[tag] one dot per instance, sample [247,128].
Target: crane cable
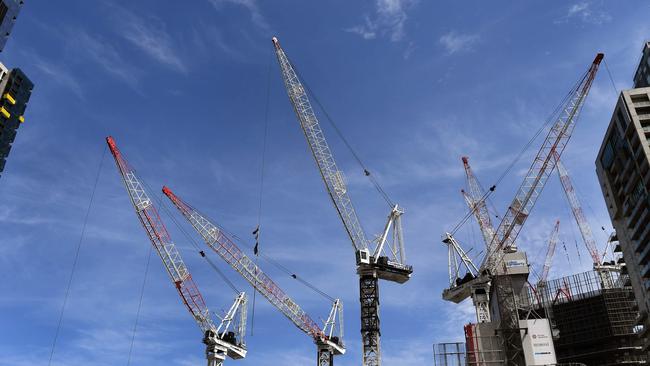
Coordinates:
[270,260]
[363,166]
[257,233]
[196,246]
[519,155]
[137,314]
[161,203]
[76,257]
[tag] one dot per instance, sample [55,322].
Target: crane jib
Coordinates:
[541,168]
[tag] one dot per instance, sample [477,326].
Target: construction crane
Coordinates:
[328,343]
[227,339]
[550,251]
[474,197]
[377,259]
[506,277]
[604,270]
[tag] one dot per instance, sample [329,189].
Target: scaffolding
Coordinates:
[593,315]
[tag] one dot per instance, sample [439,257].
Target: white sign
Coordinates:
[537,342]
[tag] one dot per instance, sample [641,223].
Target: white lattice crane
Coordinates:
[226,339]
[550,251]
[329,339]
[382,258]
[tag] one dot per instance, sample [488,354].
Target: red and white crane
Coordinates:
[226,339]
[383,258]
[328,343]
[493,266]
[474,197]
[604,270]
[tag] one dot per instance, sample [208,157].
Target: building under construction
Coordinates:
[587,318]
[591,323]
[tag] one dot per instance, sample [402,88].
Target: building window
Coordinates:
[639,98]
[608,155]
[622,123]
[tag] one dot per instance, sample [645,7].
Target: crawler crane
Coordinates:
[376,259]
[327,342]
[227,339]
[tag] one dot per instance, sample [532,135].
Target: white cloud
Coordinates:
[585,12]
[251,5]
[455,42]
[61,76]
[368,30]
[106,55]
[389,20]
[151,37]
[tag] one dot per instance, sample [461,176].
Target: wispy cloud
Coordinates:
[151,37]
[208,36]
[585,12]
[60,75]
[389,20]
[252,7]
[454,42]
[105,55]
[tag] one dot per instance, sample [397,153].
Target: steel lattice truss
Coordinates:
[162,242]
[578,214]
[550,251]
[540,170]
[477,204]
[333,177]
[221,243]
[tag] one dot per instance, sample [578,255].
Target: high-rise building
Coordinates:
[642,74]
[9,10]
[623,168]
[16,89]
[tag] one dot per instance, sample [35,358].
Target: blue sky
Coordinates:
[182,86]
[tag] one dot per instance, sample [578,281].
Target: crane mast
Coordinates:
[219,341]
[387,262]
[327,342]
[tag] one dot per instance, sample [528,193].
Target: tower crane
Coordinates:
[550,251]
[377,259]
[504,278]
[477,203]
[604,270]
[328,343]
[226,339]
